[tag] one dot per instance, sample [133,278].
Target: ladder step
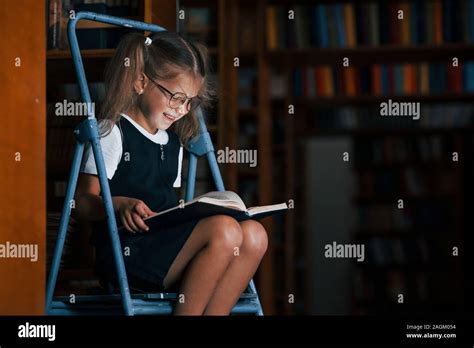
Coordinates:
[95,305]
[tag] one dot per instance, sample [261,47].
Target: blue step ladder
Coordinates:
[85,132]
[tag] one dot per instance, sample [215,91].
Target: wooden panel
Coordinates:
[22,153]
[162,12]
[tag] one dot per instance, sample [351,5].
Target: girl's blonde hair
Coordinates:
[168,55]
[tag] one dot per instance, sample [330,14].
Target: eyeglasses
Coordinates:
[178,99]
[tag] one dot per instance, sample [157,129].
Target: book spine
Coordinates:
[405,24]
[271,28]
[340,28]
[438,22]
[323,26]
[385,74]
[376,79]
[350,29]
[394,22]
[54,26]
[332,26]
[469,76]
[424,79]
[373,19]
[447,11]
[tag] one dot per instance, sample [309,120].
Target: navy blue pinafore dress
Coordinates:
[146,171]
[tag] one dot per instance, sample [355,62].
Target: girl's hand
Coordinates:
[132,212]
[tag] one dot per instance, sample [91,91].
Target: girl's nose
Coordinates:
[182,109]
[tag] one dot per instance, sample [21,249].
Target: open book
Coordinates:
[212,203]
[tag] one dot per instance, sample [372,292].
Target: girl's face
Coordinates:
[154,102]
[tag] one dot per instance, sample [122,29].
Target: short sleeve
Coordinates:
[111,146]
[177,182]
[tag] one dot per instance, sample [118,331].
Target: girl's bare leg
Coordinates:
[202,261]
[241,269]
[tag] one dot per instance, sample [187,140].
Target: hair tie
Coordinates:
[148,41]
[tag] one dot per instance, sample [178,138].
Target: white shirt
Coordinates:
[111,146]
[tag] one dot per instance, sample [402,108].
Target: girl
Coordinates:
[153,87]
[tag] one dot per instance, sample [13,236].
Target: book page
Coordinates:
[266,208]
[223,198]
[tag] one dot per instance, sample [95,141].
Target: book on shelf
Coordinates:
[212,203]
[384,79]
[54,23]
[370,23]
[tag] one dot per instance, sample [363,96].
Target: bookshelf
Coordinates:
[378,38]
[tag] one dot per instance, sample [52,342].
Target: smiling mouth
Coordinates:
[169,117]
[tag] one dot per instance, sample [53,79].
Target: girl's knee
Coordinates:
[255,238]
[226,233]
